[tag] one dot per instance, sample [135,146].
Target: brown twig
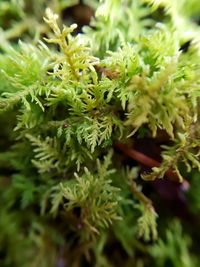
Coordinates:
[145,160]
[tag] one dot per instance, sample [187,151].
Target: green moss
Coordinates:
[74,109]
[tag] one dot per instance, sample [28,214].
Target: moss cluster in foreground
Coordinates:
[100,133]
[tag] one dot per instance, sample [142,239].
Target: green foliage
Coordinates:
[68,96]
[110,16]
[147,223]
[24,71]
[93,194]
[175,244]
[74,62]
[185,150]
[48,154]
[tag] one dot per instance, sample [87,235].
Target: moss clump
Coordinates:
[100,133]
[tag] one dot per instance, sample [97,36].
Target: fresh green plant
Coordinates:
[82,111]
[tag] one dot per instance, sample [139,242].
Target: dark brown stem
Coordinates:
[145,160]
